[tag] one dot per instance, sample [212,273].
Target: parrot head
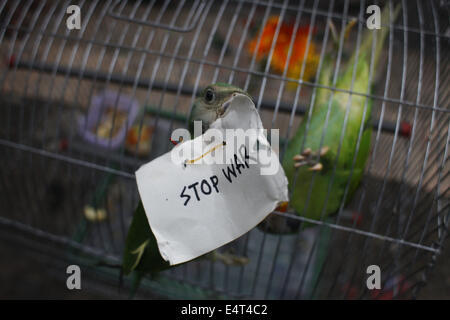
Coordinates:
[213,103]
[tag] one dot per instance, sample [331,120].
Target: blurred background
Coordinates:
[82,109]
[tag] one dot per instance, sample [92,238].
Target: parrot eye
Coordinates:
[209,95]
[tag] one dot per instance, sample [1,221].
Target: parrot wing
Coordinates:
[141,250]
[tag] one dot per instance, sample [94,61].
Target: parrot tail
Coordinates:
[367,37]
[136,280]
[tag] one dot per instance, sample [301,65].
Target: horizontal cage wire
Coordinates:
[149,60]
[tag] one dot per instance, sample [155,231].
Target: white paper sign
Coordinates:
[207,192]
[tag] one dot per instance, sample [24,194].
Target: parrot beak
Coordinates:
[225,106]
[221,111]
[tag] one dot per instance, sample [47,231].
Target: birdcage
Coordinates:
[70,193]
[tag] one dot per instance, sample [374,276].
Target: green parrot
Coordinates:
[141,253]
[310,152]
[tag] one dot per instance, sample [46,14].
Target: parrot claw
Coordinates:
[324,150]
[300,164]
[305,158]
[349,27]
[298,157]
[316,167]
[306,152]
[334,33]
